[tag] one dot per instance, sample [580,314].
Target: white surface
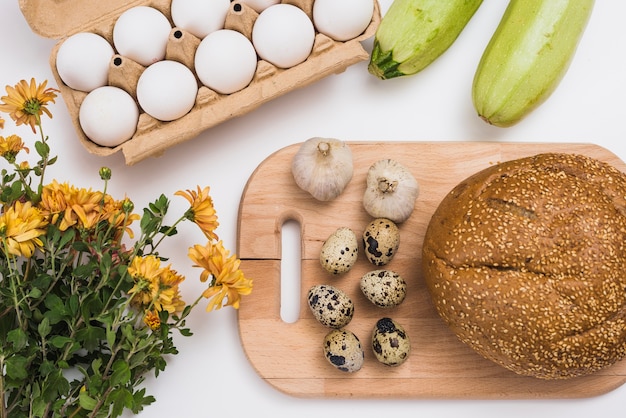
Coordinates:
[211,376]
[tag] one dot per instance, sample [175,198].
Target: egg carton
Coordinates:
[59,19]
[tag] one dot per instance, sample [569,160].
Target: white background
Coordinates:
[211,376]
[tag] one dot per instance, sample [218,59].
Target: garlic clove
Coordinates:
[323,167]
[391,191]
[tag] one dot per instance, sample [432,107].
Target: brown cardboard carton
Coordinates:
[58,19]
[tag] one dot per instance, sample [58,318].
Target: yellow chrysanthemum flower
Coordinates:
[11,146]
[228,281]
[114,211]
[25,103]
[21,225]
[202,212]
[83,208]
[1,123]
[168,297]
[155,287]
[145,272]
[152,320]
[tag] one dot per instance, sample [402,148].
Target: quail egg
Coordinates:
[381,239]
[390,342]
[331,306]
[343,350]
[384,288]
[339,251]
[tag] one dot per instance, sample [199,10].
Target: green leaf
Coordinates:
[39,406]
[138,359]
[141,400]
[96,364]
[128,331]
[80,246]
[85,401]
[120,398]
[148,220]
[18,338]
[84,270]
[110,337]
[73,304]
[55,386]
[17,367]
[47,367]
[59,341]
[121,373]
[91,305]
[56,307]
[168,231]
[43,149]
[35,293]
[68,236]
[44,327]
[90,337]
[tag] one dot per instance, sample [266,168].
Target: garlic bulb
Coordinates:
[391,191]
[323,167]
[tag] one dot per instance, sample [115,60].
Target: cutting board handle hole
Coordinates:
[290,271]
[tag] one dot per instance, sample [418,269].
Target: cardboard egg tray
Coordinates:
[58,19]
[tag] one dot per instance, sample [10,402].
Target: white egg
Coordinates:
[259,5]
[141,34]
[167,90]
[225,61]
[283,35]
[83,61]
[108,116]
[200,17]
[342,20]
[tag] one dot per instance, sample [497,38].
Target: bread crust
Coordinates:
[526,263]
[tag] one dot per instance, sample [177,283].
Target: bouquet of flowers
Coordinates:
[87,309]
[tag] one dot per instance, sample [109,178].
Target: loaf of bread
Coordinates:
[526,263]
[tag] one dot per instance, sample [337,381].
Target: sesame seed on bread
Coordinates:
[526,263]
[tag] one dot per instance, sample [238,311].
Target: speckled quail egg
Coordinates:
[381,239]
[390,342]
[384,288]
[343,350]
[331,306]
[339,251]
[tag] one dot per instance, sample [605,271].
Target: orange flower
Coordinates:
[228,281]
[83,208]
[201,212]
[25,103]
[169,298]
[155,287]
[151,319]
[21,225]
[11,146]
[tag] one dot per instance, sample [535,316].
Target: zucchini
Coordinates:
[413,33]
[527,56]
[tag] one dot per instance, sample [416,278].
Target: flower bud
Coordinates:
[128,206]
[105,173]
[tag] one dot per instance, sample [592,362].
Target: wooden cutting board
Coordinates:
[289,355]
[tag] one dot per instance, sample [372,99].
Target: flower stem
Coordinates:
[3,411]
